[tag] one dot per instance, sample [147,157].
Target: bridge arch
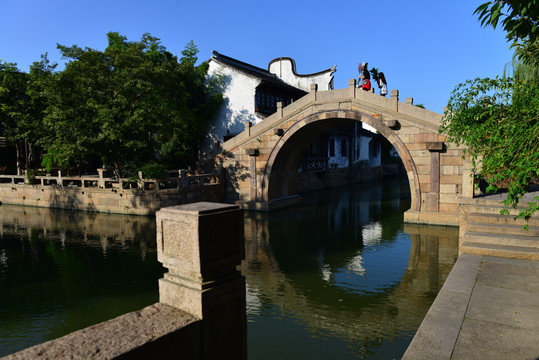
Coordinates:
[279,176]
[260,164]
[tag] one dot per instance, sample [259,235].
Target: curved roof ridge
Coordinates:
[331,70]
[252,70]
[227,59]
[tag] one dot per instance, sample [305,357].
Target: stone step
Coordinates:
[474,217]
[503,228]
[493,209]
[495,200]
[507,251]
[501,239]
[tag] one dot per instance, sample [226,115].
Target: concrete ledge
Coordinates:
[431,218]
[430,230]
[438,333]
[156,332]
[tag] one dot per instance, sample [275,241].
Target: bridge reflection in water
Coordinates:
[341,277]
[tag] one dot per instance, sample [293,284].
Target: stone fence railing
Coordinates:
[179,180]
[201,312]
[101,193]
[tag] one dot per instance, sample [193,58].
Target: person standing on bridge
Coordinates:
[382,84]
[364,74]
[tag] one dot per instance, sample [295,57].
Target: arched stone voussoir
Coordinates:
[284,150]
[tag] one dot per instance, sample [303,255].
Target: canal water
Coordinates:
[338,277]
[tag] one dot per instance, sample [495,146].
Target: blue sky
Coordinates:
[425,48]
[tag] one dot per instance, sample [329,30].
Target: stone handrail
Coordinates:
[388,107]
[182,180]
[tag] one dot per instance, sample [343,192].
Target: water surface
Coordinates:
[339,277]
[61,271]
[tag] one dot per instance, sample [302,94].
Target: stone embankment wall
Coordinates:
[144,197]
[201,313]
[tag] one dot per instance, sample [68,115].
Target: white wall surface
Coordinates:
[237,108]
[339,161]
[283,68]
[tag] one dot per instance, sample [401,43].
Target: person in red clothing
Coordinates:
[366,85]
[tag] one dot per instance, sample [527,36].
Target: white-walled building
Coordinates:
[250,94]
[285,69]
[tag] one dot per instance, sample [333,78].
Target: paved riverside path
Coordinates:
[488,308]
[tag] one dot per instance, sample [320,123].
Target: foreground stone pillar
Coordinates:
[201,244]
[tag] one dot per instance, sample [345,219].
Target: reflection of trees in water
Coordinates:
[103,230]
[294,255]
[61,271]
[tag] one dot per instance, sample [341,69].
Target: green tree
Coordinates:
[129,105]
[497,119]
[12,97]
[22,105]
[520,20]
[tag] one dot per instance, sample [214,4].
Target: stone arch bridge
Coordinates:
[261,162]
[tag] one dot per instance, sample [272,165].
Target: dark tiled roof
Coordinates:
[254,71]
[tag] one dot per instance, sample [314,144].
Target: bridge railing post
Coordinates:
[352,87]
[280,109]
[395,99]
[314,90]
[201,244]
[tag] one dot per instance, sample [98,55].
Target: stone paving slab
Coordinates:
[512,262]
[481,340]
[488,308]
[522,277]
[504,306]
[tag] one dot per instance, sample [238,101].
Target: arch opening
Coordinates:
[280,175]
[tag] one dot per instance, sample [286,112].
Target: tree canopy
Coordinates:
[23,103]
[520,20]
[130,105]
[498,119]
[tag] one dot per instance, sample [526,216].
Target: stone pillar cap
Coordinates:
[200,208]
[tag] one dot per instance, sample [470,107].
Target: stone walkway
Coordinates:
[488,308]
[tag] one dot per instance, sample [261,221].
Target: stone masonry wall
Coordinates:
[122,201]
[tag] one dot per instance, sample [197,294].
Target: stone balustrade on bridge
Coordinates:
[261,162]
